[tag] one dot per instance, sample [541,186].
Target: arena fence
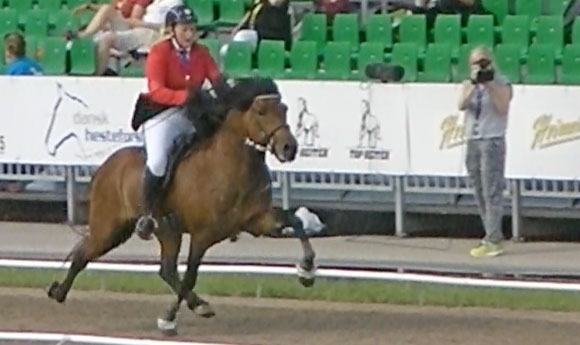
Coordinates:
[360,274]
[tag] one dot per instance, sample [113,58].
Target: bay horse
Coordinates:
[219,187]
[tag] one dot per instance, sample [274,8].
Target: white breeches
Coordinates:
[159,133]
[250,36]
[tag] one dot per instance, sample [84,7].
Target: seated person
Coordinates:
[332,7]
[433,7]
[266,19]
[17,63]
[144,28]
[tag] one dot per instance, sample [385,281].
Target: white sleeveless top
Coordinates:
[156,11]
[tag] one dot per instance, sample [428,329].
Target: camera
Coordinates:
[486,72]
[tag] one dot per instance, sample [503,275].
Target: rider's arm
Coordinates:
[213,74]
[156,74]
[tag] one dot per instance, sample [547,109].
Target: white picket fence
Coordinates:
[321,272]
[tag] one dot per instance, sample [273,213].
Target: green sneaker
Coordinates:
[485,250]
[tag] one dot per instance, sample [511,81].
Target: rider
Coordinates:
[174,65]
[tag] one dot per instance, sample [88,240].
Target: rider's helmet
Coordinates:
[180,14]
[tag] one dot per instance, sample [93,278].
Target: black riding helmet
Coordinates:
[180,14]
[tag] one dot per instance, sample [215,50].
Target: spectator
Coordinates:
[15,56]
[266,19]
[431,8]
[137,31]
[18,64]
[486,99]
[332,7]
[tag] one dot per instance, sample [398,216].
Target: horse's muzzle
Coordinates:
[289,151]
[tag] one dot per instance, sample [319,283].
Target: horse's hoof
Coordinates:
[54,292]
[306,277]
[306,282]
[167,328]
[204,310]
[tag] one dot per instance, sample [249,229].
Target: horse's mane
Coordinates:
[208,113]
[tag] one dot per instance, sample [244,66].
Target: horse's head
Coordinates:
[264,116]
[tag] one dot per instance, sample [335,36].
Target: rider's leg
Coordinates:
[159,132]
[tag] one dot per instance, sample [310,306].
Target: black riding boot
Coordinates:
[151,188]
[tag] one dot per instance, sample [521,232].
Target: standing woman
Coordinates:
[486,99]
[174,65]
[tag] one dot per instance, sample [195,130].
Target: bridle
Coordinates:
[267,137]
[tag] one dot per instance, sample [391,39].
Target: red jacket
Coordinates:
[168,79]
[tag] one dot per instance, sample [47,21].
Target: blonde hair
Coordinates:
[485,52]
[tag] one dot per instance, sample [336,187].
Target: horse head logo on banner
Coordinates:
[76,131]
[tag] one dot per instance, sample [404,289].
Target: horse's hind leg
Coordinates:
[98,243]
[170,242]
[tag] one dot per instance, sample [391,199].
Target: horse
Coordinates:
[370,127]
[307,125]
[220,186]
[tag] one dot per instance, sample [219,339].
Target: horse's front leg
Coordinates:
[267,223]
[305,269]
[170,242]
[168,324]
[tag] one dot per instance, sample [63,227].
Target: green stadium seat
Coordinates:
[413,29]
[437,66]
[314,29]
[480,30]
[550,30]
[463,67]
[406,55]
[447,29]
[576,31]
[51,5]
[271,56]
[303,60]
[369,52]
[204,9]
[345,28]
[530,8]
[64,21]
[2,62]
[557,7]
[36,23]
[20,6]
[379,30]
[137,71]
[499,9]
[31,46]
[8,21]
[238,59]
[570,73]
[541,61]
[213,45]
[82,57]
[71,4]
[85,18]
[516,31]
[52,53]
[231,12]
[336,61]
[507,57]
